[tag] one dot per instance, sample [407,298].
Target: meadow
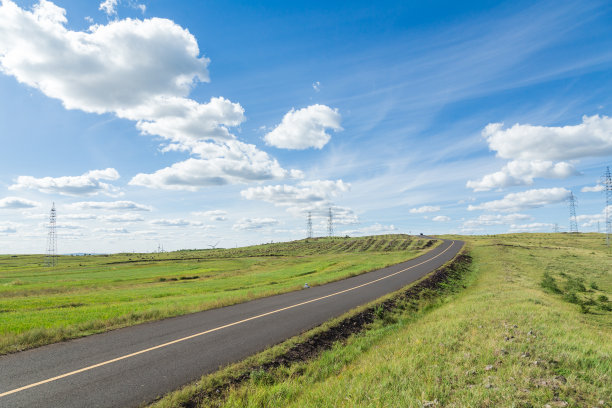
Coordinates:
[527,324]
[94,293]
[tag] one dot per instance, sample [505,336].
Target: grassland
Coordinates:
[528,325]
[91,294]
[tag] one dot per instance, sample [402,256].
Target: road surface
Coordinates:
[130,366]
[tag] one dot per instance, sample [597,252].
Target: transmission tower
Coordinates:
[51,254]
[556,228]
[573,227]
[309,225]
[607,182]
[330,223]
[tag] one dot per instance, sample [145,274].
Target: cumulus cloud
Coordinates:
[109,7]
[441,218]
[121,65]
[13,203]
[109,205]
[86,184]
[122,218]
[494,219]
[424,209]
[307,196]
[524,200]
[373,229]
[213,215]
[521,172]
[230,162]
[304,128]
[590,220]
[140,70]
[533,227]
[8,228]
[304,194]
[177,222]
[593,189]
[246,224]
[543,151]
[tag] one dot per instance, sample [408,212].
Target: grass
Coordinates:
[91,294]
[532,327]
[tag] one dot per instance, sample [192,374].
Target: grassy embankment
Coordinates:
[90,294]
[533,327]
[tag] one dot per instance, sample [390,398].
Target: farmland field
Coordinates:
[95,293]
[529,324]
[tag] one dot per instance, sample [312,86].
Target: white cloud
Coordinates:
[305,193]
[494,219]
[109,7]
[254,223]
[372,230]
[304,128]
[521,172]
[213,215]
[543,151]
[121,65]
[316,86]
[424,209]
[307,196]
[441,218]
[140,70]
[8,228]
[533,227]
[593,137]
[79,217]
[109,205]
[17,203]
[177,222]
[590,220]
[112,231]
[594,189]
[229,162]
[122,218]
[524,200]
[87,184]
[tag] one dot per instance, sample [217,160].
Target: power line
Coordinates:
[330,223]
[309,225]
[573,227]
[51,254]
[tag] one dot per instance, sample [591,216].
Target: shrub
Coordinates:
[548,283]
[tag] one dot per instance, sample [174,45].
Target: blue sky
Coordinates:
[190,123]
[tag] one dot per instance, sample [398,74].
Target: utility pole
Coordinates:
[330,223]
[607,181]
[572,207]
[51,254]
[309,225]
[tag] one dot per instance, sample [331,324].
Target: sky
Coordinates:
[156,123]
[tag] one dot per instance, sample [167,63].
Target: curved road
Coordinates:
[130,366]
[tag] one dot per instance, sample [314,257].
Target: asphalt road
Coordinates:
[130,366]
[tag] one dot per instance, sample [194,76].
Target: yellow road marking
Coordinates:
[91,367]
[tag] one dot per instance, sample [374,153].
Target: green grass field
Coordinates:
[90,294]
[529,325]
